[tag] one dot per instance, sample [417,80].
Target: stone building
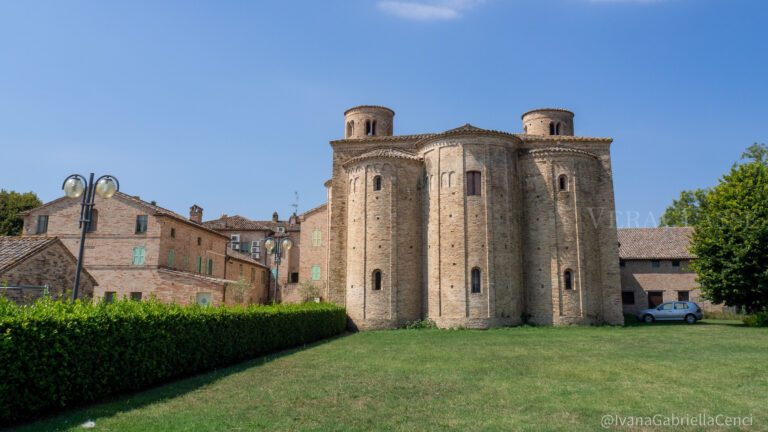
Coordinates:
[28,264]
[654,268]
[136,249]
[471,227]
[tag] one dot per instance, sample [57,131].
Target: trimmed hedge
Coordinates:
[55,354]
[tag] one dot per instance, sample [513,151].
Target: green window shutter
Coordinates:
[186,262]
[199,265]
[170,258]
[139,255]
[315,272]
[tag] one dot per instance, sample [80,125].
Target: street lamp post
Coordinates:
[76,185]
[276,245]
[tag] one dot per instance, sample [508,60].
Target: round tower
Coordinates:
[548,121]
[367,121]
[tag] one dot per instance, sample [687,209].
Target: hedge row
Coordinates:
[759,319]
[56,354]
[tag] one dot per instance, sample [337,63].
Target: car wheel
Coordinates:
[648,318]
[690,319]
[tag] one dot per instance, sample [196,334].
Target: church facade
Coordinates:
[471,227]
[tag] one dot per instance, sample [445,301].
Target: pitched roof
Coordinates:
[655,243]
[316,209]
[239,223]
[383,152]
[15,249]
[153,209]
[243,257]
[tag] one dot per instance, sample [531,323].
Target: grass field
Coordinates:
[526,378]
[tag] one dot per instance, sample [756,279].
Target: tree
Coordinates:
[11,204]
[309,290]
[757,153]
[684,211]
[731,239]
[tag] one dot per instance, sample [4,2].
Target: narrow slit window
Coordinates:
[551,128]
[563,183]
[475,280]
[377,280]
[474,185]
[568,277]
[377,183]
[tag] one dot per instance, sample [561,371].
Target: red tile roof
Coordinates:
[655,243]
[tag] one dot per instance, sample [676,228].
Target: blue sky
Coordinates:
[230,105]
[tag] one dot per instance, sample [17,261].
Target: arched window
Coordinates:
[474,186]
[93,224]
[377,183]
[557,129]
[350,129]
[562,183]
[568,278]
[475,280]
[373,127]
[551,128]
[368,128]
[376,280]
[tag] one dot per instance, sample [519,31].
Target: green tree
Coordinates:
[757,153]
[11,204]
[731,239]
[684,211]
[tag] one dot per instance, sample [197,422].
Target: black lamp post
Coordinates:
[76,185]
[276,245]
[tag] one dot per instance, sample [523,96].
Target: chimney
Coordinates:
[196,214]
[274,217]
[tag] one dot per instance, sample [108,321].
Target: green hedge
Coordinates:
[56,354]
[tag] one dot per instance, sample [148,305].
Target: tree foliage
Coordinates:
[731,239]
[756,153]
[11,204]
[684,211]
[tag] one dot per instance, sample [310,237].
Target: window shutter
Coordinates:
[315,272]
[170,258]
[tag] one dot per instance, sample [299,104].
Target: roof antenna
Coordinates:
[295,205]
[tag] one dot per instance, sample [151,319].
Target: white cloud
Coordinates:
[429,10]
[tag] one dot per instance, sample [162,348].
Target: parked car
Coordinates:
[686,311]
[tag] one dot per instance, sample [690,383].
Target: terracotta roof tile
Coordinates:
[14,249]
[239,223]
[655,243]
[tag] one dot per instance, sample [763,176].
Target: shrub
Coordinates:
[56,354]
[724,315]
[759,319]
[426,323]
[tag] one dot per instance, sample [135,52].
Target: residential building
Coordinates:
[654,268]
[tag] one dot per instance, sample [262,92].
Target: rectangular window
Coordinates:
[263,276]
[622,263]
[294,278]
[683,296]
[136,296]
[173,232]
[316,239]
[42,224]
[655,263]
[241,270]
[109,297]
[199,241]
[280,229]
[627,297]
[253,275]
[141,224]
[675,263]
[473,183]
[171,256]
[139,255]
[315,273]
[245,247]
[199,265]
[209,267]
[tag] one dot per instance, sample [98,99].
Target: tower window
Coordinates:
[473,183]
[377,183]
[370,127]
[551,128]
[568,278]
[350,129]
[557,129]
[475,280]
[377,280]
[563,182]
[373,127]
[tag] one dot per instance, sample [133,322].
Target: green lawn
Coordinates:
[506,379]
